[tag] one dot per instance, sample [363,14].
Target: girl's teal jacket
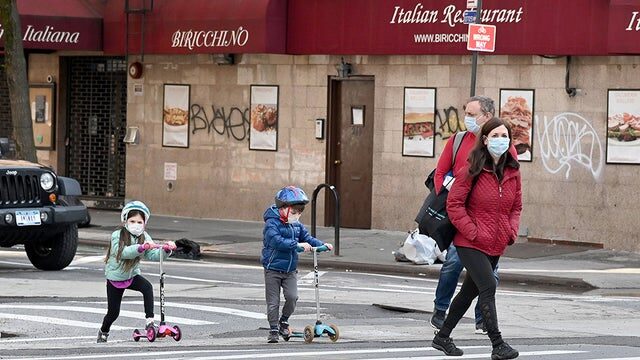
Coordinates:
[114,270]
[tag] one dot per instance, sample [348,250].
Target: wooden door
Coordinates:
[350,150]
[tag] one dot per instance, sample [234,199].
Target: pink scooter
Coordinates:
[164,329]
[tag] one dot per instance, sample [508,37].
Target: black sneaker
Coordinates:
[273,336]
[481,329]
[437,319]
[283,329]
[446,345]
[102,337]
[503,352]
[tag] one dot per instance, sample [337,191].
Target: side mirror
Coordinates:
[4,147]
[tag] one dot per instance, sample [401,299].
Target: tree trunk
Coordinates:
[16,70]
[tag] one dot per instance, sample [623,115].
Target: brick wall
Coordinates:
[569,192]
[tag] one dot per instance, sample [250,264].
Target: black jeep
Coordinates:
[40,210]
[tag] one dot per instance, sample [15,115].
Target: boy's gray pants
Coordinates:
[273,281]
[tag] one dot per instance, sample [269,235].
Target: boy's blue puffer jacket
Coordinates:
[281,240]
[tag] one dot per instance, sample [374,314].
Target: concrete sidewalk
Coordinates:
[525,263]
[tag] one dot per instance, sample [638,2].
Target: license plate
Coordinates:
[28,218]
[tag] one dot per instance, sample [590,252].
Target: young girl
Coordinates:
[122,264]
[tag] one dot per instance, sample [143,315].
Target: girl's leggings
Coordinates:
[114,299]
[479,282]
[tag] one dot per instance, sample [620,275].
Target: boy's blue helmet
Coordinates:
[291,195]
[135,205]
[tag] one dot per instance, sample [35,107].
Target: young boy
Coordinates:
[283,233]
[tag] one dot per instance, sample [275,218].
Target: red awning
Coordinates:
[406,27]
[624,27]
[198,26]
[61,24]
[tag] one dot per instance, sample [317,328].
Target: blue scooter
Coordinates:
[313,331]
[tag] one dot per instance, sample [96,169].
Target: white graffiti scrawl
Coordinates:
[569,139]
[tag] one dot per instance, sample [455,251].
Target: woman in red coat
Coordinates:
[484,204]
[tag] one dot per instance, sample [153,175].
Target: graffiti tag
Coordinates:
[569,139]
[235,123]
[448,124]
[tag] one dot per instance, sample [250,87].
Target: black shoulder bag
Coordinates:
[432,219]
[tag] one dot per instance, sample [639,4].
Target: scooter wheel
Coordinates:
[308,334]
[178,333]
[336,334]
[136,335]
[151,334]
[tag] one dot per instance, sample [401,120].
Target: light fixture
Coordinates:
[344,69]
[224,59]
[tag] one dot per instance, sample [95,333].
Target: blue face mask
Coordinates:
[471,124]
[498,146]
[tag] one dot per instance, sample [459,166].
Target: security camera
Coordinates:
[50,79]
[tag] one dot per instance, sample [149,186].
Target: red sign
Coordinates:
[415,27]
[481,38]
[624,27]
[199,26]
[60,25]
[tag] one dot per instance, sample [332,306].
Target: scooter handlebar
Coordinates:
[147,246]
[321,248]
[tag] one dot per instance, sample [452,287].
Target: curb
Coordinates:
[577,285]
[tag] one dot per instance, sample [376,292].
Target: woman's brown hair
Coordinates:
[125,240]
[480,156]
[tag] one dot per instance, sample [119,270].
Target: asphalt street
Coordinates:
[220,308]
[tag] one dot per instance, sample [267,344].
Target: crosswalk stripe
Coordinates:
[213,309]
[58,321]
[324,353]
[87,259]
[124,313]
[48,339]
[472,356]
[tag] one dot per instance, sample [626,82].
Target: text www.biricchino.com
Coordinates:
[440,38]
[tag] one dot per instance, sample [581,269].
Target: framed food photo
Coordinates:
[418,127]
[623,126]
[516,108]
[263,133]
[175,115]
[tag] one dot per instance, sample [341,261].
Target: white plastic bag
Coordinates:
[421,249]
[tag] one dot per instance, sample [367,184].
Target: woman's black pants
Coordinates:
[479,281]
[114,299]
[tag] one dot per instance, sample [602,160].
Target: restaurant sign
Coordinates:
[204,26]
[624,27]
[194,39]
[405,27]
[53,34]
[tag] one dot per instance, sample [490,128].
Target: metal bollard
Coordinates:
[336,249]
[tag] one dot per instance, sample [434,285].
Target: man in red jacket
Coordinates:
[477,111]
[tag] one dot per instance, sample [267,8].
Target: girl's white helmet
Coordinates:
[135,205]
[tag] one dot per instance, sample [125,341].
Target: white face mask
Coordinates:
[472,125]
[293,218]
[135,229]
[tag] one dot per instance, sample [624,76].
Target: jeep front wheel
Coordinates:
[54,253]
